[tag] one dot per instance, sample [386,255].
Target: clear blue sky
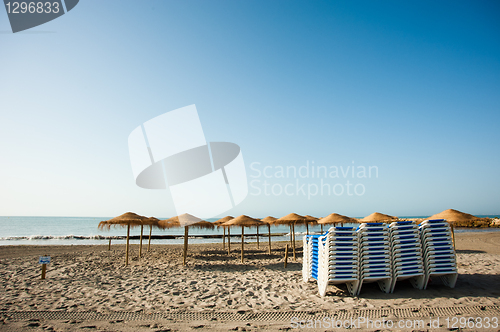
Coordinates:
[412,88]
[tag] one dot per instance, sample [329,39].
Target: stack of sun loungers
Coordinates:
[310,258]
[438,251]
[375,255]
[377,252]
[332,259]
[339,259]
[406,254]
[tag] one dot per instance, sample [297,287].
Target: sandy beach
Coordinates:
[93,279]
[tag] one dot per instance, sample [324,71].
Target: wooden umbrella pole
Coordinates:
[321,229]
[291,238]
[140,242]
[109,245]
[126,249]
[150,231]
[286,255]
[293,231]
[242,242]
[185,244]
[224,239]
[228,241]
[258,237]
[269,234]
[307,228]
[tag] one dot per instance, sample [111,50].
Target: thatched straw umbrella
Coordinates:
[243,221]
[292,219]
[460,219]
[334,218]
[378,217]
[185,220]
[457,218]
[220,222]
[127,219]
[269,220]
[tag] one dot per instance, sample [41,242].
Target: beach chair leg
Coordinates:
[450,279]
[426,280]
[353,287]
[418,282]
[305,272]
[359,286]
[306,266]
[385,285]
[393,284]
[322,283]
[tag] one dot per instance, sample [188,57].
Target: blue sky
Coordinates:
[409,87]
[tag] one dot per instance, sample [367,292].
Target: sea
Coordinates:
[32,230]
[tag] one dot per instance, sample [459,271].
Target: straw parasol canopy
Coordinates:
[461,219]
[335,218]
[152,221]
[185,220]
[378,217]
[311,218]
[292,219]
[222,220]
[243,221]
[168,223]
[269,221]
[128,219]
